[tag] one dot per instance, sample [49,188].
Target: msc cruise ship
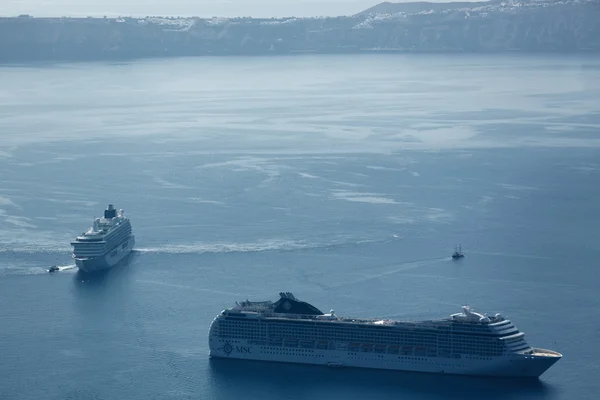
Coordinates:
[290,330]
[107,242]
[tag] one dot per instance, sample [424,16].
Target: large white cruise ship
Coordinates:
[107,242]
[290,330]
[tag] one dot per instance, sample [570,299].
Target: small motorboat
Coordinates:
[53,268]
[457,253]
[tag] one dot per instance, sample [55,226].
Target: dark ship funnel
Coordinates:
[110,212]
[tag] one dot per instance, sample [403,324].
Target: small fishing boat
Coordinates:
[457,253]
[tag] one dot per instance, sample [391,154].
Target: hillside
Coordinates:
[422,6]
[548,26]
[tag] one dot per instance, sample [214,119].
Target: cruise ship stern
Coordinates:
[212,338]
[105,244]
[93,264]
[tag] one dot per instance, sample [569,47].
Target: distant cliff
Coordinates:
[424,6]
[533,26]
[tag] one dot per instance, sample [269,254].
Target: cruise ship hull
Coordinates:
[109,260]
[514,365]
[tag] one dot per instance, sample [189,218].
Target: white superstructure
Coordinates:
[290,330]
[106,243]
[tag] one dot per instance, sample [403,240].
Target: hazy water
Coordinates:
[346,180]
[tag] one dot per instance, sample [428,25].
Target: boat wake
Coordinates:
[512,255]
[35,249]
[374,273]
[35,270]
[256,247]
[266,245]
[66,267]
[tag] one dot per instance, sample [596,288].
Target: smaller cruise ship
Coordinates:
[108,241]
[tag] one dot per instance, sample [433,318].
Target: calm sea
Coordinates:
[346,180]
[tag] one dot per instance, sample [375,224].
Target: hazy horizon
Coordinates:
[201,8]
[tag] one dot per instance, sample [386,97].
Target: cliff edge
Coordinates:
[534,26]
